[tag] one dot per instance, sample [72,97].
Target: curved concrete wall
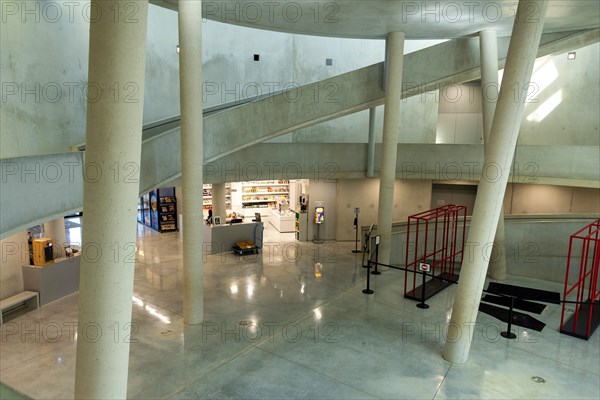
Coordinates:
[44,57]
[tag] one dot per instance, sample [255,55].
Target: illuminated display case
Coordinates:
[158,210]
[319,214]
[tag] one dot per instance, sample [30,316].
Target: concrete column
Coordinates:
[219,206]
[488,45]
[389,145]
[371,145]
[117,57]
[522,51]
[55,229]
[190,82]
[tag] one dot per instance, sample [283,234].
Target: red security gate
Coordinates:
[435,237]
[582,287]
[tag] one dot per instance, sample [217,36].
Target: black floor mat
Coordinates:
[524,293]
[524,305]
[432,286]
[520,319]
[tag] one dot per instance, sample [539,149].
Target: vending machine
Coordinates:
[43,251]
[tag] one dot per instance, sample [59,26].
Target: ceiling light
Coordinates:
[571,55]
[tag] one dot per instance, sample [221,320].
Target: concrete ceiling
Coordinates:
[423,19]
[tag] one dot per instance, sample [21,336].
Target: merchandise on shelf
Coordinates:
[158,210]
[265,194]
[207,195]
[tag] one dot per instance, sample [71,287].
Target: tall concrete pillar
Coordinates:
[117,57]
[522,50]
[371,144]
[389,145]
[488,45]
[218,201]
[55,229]
[190,82]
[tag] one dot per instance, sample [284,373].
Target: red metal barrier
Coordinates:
[435,237]
[584,248]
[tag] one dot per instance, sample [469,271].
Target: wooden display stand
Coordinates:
[40,249]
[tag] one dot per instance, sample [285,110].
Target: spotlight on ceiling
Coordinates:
[571,55]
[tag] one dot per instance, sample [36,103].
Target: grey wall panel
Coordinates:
[161,160]
[36,189]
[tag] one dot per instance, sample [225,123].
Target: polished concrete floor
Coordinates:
[292,323]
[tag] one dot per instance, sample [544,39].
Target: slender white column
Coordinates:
[488,48]
[371,145]
[488,45]
[219,206]
[190,82]
[524,43]
[117,57]
[389,145]
[55,229]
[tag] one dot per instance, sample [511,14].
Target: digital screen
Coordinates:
[319,215]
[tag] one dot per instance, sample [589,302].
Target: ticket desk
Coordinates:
[221,238]
[53,280]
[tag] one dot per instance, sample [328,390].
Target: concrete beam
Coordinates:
[168,4]
[430,69]
[26,202]
[38,189]
[438,162]
[291,110]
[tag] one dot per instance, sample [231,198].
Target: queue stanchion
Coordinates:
[508,334]
[375,271]
[423,268]
[367,247]
[366,252]
[368,289]
[356,250]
